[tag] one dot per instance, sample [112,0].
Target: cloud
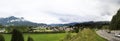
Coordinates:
[112,1]
[60,11]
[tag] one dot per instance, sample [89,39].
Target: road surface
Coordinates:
[108,36]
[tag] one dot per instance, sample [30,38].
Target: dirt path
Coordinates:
[110,37]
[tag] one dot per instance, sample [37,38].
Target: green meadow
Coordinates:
[40,37]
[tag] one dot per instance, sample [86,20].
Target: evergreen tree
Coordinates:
[30,39]
[115,23]
[2,38]
[17,36]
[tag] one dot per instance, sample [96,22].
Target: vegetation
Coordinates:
[17,36]
[30,39]
[39,37]
[20,28]
[115,23]
[91,25]
[85,35]
[2,38]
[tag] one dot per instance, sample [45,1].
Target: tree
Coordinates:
[30,39]
[115,23]
[1,26]
[17,35]
[77,27]
[2,38]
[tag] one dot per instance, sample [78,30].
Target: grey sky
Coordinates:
[60,11]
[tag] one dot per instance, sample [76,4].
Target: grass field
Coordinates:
[40,37]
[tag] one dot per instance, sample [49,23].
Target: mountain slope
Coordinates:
[89,23]
[18,21]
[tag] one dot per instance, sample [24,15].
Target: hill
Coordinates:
[89,23]
[115,23]
[85,35]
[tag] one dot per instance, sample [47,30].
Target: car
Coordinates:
[117,35]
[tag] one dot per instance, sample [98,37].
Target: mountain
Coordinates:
[12,20]
[89,23]
[92,23]
[68,24]
[60,25]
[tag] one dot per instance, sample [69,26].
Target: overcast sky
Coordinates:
[60,11]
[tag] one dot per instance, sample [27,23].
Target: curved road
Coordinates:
[108,36]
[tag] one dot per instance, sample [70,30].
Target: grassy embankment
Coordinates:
[85,35]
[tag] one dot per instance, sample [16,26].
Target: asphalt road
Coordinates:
[108,36]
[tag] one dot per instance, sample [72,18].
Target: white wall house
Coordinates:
[2,30]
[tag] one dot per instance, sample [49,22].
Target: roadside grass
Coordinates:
[40,37]
[86,35]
